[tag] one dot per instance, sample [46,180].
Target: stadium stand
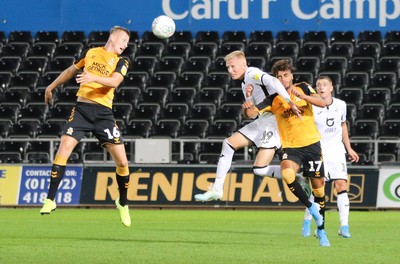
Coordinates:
[180,88]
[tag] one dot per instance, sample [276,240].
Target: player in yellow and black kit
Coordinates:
[300,141]
[101,72]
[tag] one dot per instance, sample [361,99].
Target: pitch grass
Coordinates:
[192,236]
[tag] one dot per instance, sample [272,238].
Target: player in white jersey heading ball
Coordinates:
[331,123]
[262,132]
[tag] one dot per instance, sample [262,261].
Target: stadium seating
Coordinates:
[180,87]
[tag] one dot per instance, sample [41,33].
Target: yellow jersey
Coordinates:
[294,132]
[102,63]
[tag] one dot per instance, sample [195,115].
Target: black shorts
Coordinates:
[310,157]
[94,118]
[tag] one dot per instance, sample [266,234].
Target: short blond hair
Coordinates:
[235,54]
[119,28]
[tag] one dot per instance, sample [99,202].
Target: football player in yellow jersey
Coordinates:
[99,71]
[300,141]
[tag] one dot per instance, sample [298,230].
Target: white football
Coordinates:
[163,27]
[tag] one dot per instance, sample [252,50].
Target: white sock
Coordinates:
[273,171]
[343,204]
[307,214]
[224,164]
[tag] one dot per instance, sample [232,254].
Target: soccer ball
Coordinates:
[163,27]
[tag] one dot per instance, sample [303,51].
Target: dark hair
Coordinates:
[282,65]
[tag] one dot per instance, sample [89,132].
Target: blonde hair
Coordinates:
[119,28]
[235,54]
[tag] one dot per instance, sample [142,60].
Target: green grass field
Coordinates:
[191,236]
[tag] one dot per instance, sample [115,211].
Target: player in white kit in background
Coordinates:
[331,123]
[262,132]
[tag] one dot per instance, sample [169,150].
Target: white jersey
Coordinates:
[329,123]
[263,132]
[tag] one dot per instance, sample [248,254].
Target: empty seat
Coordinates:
[391,36]
[217,79]
[122,111]
[230,111]
[258,62]
[391,49]
[135,79]
[366,127]
[73,36]
[208,49]
[390,64]
[207,36]
[195,127]
[50,129]
[210,95]
[356,79]
[14,146]
[368,49]
[169,64]
[365,64]
[177,49]
[16,49]
[362,148]
[315,36]
[68,49]
[352,95]
[291,36]
[234,36]
[344,49]
[229,47]
[33,110]
[35,64]
[151,49]
[128,94]
[182,95]
[17,95]
[9,111]
[372,111]
[20,36]
[393,111]
[162,79]
[47,36]
[9,65]
[390,128]
[310,64]
[98,36]
[60,63]
[234,95]
[300,76]
[25,128]
[182,36]
[222,128]
[369,36]
[259,49]
[190,79]
[6,125]
[334,63]
[286,49]
[175,111]
[261,36]
[314,49]
[10,157]
[143,64]
[195,65]
[204,111]
[167,127]
[377,95]
[138,128]
[155,95]
[148,36]
[146,111]
[343,36]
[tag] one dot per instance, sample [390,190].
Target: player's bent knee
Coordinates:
[122,170]
[319,192]
[288,175]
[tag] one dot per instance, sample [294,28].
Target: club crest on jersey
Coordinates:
[70,131]
[111,62]
[256,77]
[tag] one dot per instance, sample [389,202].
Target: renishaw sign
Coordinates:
[178,185]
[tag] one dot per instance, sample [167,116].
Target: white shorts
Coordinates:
[263,132]
[335,166]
